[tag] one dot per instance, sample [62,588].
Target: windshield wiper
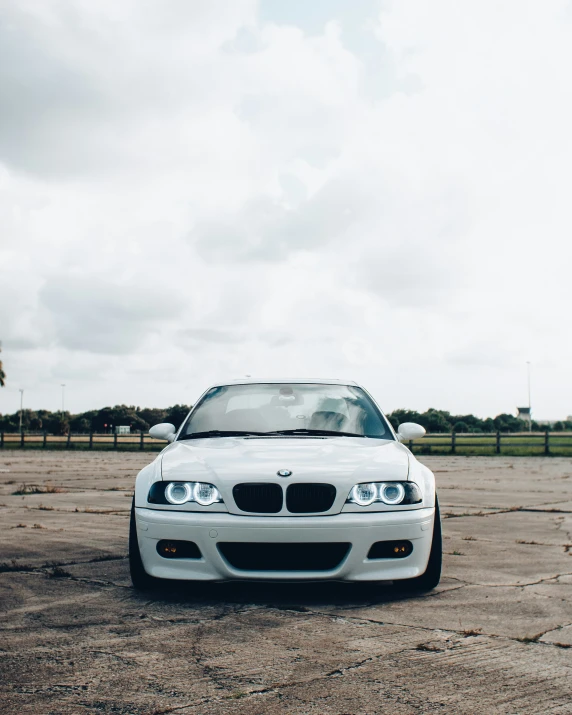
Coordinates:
[220,433]
[324,432]
[243,433]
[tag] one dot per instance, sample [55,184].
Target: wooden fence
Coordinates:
[522,443]
[519,443]
[43,440]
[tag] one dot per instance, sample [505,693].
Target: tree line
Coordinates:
[442,421]
[103,421]
[141,419]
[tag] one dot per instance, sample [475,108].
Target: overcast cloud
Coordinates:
[375,190]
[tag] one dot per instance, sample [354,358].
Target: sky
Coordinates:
[376,191]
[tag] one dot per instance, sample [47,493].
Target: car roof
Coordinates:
[285,381]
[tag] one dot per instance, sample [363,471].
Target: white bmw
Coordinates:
[286,480]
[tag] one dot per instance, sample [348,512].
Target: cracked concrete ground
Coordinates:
[494,637]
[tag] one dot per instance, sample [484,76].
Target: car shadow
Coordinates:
[288,596]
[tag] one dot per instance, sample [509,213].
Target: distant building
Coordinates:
[122,429]
[524,414]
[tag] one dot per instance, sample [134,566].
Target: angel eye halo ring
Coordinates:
[205,494]
[363,494]
[178,492]
[391,493]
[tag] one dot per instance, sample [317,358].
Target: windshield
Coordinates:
[288,408]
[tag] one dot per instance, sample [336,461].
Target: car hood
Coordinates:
[341,461]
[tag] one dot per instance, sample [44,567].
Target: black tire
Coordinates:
[430,579]
[139,577]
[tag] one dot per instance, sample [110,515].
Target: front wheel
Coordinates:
[430,579]
[139,577]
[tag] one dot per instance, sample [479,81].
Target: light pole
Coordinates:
[63,393]
[529,402]
[21,406]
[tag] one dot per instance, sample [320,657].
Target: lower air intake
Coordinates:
[284,557]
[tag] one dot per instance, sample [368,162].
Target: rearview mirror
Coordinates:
[165,430]
[410,430]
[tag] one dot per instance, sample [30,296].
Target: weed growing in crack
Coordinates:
[451,515]
[530,639]
[58,572]
[25,489]
[14,566]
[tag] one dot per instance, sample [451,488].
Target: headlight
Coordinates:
[205,494]
[390,493]
[363,494]
[178,493]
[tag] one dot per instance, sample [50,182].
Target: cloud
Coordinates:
[373,190]
[209,335]
[98,316]
[267,230]
[84,87]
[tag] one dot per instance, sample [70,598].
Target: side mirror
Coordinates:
[410,430]
[163,431]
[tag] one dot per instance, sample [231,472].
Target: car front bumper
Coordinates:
[360,530]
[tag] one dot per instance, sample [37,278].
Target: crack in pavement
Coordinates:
[517,585]
[496,510]
[41,571]
[463,633]
[558,628]
[277,687]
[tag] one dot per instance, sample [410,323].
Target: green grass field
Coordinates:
[521,444]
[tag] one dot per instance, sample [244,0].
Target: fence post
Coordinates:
[115,441]
[141,440]
[45,444]
[453,442]
[498,442]
[22,439]
[411,445]
[2,440]
[91,440]
[547,442]
[68,440]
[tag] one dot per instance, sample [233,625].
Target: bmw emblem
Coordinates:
[284,473]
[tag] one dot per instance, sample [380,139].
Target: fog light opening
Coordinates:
[390,550]
[170,549]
